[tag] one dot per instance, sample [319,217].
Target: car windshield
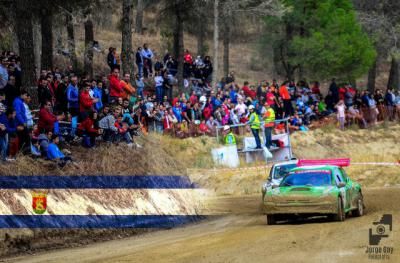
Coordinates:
[282,170]
[307,178]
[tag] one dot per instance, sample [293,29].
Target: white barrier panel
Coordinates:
[226,156]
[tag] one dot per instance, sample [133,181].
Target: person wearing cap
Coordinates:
[230,138]
[269,123]
[255,125]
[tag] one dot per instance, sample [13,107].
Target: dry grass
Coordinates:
[152,159]
[380,144]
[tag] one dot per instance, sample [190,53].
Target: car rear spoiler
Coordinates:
[342,162]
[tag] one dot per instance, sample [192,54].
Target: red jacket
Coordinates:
[116,89]
[207,113]
[87,126]
[46,120]
[249,93]
[85,102]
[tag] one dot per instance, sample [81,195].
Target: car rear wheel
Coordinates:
[360,207]
[340,216]
[271,220]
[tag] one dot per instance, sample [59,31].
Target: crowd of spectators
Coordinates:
[115,109]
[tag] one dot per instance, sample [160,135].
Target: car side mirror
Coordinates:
[341,184]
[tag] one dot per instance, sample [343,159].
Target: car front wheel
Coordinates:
[360,207]
[340,216]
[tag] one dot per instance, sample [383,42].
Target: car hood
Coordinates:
[300,192]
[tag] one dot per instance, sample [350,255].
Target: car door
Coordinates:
[353,193]
[344,190]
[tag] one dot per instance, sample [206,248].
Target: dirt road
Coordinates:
[242,236]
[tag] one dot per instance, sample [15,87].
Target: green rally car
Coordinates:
[314,190]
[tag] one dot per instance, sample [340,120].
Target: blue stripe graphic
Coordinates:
[95,182]
[95,221]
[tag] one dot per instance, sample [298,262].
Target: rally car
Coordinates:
[314,188]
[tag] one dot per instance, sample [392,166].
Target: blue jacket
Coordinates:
[73,96]
[19,108]
[11,126]
[389,99]
[178,113]
[98,93]
[53,152]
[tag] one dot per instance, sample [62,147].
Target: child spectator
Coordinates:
[54,153]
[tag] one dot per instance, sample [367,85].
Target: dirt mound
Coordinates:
[152,159]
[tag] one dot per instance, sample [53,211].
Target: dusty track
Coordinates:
[242,236]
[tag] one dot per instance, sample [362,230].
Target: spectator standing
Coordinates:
[139,61]
[333,88]
[147,56]
[255,125]
[11,91]
[73,97]
[4,130]
[61,95]
[3,72]
[269,124]
[127,89]
[21,121]
[112,59]
[230,138]
[159,81]
[341,115]
[139,85]
[390,103]
[98,94]
[116,90]
[86,102]
[44,92]
[287,105]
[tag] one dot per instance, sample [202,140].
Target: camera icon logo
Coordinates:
[380,229]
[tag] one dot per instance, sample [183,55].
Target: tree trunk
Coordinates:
[371,78]
[25,43]
[179,46]
[394,76]
[200,39]
[46,24]
[71,41]
[37,44]
[227,40]
[139,17]
[126,54]
[216,32]
[88,56]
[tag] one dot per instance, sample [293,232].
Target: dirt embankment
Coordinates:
[152,159]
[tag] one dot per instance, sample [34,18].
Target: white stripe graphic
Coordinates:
[106,201]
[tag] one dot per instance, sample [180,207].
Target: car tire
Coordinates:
[360,207]
[340,216]
[271,220]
